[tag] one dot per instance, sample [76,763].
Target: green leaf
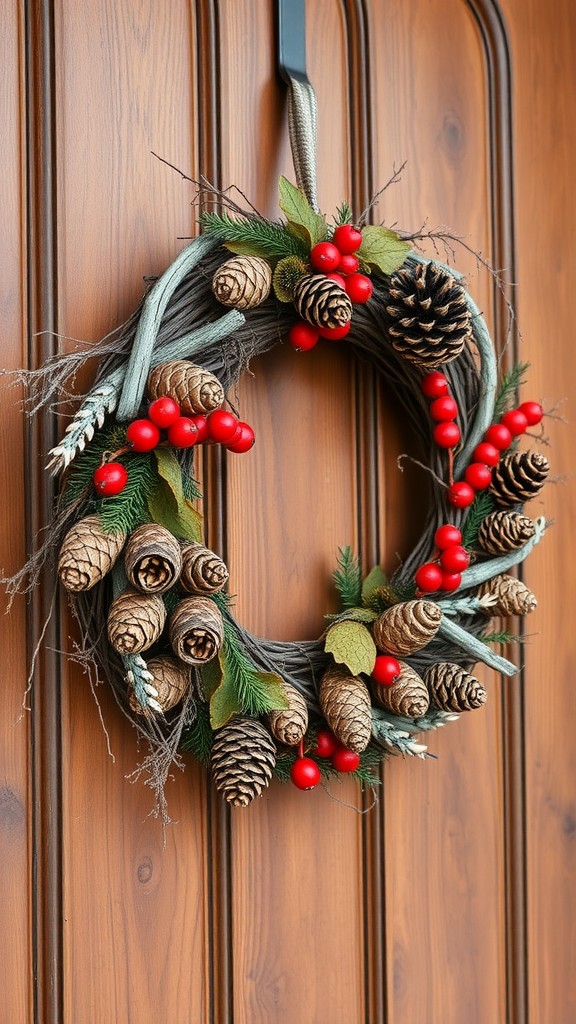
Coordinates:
[382,250]
[167,504]
[198,737]
[248,248]
[351,644]
[224,703]
[211,674]
[354,615]
[302,220]
[375,579]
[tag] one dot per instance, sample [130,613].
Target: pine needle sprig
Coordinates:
[82,471]
[254,236]
[508,389]
[256,696]
[502,637]
[344,215]
[482,505]
[348,579]
[198,738]
[129,509]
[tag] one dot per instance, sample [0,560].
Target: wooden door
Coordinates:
[452,900]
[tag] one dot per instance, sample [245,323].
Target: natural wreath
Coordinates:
[127,533]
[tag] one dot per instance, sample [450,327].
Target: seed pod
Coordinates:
[135,621]
[322,302]
[203,572]
[242,759]
[501,532]
[87,554]
[289,724]
[407,696]
[451,688]
[152,559]
[512,596]
[407,627]
[192,387]
[242,282]
[518,477]
[172,681]
[196,630]
[345,703]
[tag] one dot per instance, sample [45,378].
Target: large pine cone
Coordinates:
[502,532]
[407,696]
[451,688]
[345,703]
[289,724]
[430,319]
[135,621]
[407,627]
[242,760]
[512,596]
[242,282]
[196,630]
[87,554]
[203,572]
[152,558]
[172,681]
[322,302]
[192,387]
[518,477]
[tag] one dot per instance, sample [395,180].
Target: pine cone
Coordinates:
[518,477]
[242,282]
[430,317]
[196,630]
[152,558]
[290,724]
[203,572]
[501,532]
[512,596]
[322,302]
[172,681]
[135,621]
[87,554]
[242,760]
[407,627]
[345,703]
[192,387]
[407,696]
[451,688]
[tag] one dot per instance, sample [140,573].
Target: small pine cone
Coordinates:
[518,477]
[152,558]
[203,572]
[192,387]
[135,621]
[290,724]
[407,627]
[512,596]
[430,319]
[322,302]
[407,696]
[196,630]
[172,681]
[242,282]
[451,688]
[242,760]
[87,554]
[345,703]
[503,531]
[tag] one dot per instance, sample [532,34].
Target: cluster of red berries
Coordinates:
[443,410]
[143,435]
[336,260]
[305,773]
[445,572]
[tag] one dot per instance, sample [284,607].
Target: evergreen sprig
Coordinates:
[82,471]
[253,236]
[482,505]
[509,385]
[502,637]
[344,214]
[198,738]
[348,578]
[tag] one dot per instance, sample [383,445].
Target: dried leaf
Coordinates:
[302,220]
[224,703]
[351,644]
[382,250]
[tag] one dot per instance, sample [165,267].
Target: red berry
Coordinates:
[348,264]
[345,760]
[340,281]
[455,559]
[222,426]
[347,238]
[110,479]
[244,442]
[447,537]
[499,436]
[486,453]
[451,580]
[446,434]
[326,743]
[334,333]
[428,577]
[533,412]
[460,494]
[201,422]
[444,408]
[163,412]
[434,385]
[478,476]
[142,435]
[386,669]
[303,336]
[516,421]
[359,288]
[325,256]
[305,773]
[183,433]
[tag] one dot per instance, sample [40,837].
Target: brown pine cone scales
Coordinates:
[196,630]
[242,760]
[87,554]
[203,572]
[172,681]
[242,282]
[345,703]
[503,531]
[430,319]
[152,558]
[407,696]
[512,596]
[518,477]
[322,302]
[451,688]
[289,724]
[192,387]
[135,621]
[407,627]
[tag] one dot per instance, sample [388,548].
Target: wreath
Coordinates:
[127,533]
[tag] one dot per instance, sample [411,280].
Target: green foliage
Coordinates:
[382,250]
[348,578]
[351,644]
[370,760]
[84,466]
[199,736]
[353,615]
[375,580]
[243,689]
[303,221]
[506,397]
[482,505]
[286,276]
[343,215]
[129,509]
[166,502]
[254,237]
[501,637]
